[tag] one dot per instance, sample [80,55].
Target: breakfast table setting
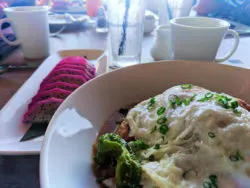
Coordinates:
[63,82]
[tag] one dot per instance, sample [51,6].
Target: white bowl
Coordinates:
[66,154]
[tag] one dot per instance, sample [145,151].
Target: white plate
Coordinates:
[71,10]
[66,154]
[60,19]
[11,128]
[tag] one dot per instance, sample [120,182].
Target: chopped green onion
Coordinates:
[151,158]
[239,155]
[234,104]
[203,99]
[162,120]
[207,184]
[178,101]
[151,104]
[224,97]
[172,103]
[100,180]
[236,157]
[237,111]
[153,130]
[209,95]
[213,183]
[186,86]
[227,103]
[211,134]
[213,179]
[223,102]
[152,100]
[163,129]
[193,97]
[157,146]
[139,145]
[161,110]
[186,101]
[175,101]
[233,158]
[227,98]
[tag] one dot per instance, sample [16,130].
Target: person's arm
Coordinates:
[205,7]
[235,10]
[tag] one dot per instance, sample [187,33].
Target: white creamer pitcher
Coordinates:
[162,49]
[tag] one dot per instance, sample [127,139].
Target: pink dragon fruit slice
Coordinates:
[68,75]
[57,72]
[42,111]
[90,70]
[83,66]
[80,61]
[73,79]
[73,60]
[60,85]
[56,93]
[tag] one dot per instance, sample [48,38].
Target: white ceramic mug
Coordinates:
[198,38]
[31,27]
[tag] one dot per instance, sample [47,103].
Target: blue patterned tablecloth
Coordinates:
[19,171]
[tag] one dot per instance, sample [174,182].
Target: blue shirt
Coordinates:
[235,10]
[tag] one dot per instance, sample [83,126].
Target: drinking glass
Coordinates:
[125,20]
[180,8]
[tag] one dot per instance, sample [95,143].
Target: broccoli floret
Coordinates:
[128,172]
[110,146]
[138,145]
[112,150]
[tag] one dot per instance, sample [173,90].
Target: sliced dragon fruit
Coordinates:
[68,75]
[88,69]
[59,85]
[56,93]
[80,61]
[57,72]
[74,60]
[85,67]
[73,79]
[42,111]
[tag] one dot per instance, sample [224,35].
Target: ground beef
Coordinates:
[123,129]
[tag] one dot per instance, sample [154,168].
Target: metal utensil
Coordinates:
[8,67]
[69,17]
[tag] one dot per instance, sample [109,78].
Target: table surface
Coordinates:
[23,171]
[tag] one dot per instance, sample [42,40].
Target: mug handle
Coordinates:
[236,44]
[11,43]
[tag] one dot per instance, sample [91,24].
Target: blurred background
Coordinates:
[235,10]
[70,15]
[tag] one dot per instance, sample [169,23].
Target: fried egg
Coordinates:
[197,138]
